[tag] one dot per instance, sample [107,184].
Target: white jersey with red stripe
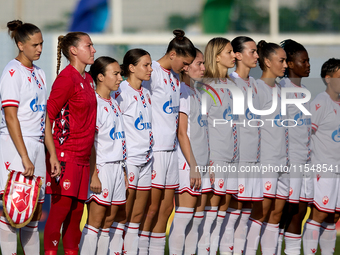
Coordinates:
[326,125]
[24,88]
[164,87]
[223,138]
[190,104]
[274,136]
[300,135]
[135,106]
[109,140]
[250,140]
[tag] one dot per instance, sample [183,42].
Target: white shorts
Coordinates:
[250,186]
[165,170]
[184,183]
[111,176]
[276,185]
[225,177]
[307,188]
[326,192]
[11,160]
[139,177]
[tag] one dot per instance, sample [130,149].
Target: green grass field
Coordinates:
[61,251]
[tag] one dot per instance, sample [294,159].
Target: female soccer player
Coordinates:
[325,110]
[164,86]
[72,108]
[274,153]
[193,152]
[135,103]
[299,149]
[23,132]
[248,190]
[223,140]
[107,184]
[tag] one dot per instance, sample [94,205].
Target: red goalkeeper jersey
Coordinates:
[72,107]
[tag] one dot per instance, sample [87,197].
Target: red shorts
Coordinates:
[73,180]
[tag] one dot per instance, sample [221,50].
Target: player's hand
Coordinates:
[55,166]
[95,184]
[28,166]
[195,179]
[212,178]
[126,179]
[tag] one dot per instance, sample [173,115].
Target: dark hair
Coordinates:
[181,45]
[132,57]
[99,66]
[331,66]
[64,44]
[238,42]
[21,32]
[291,48]
[264,50]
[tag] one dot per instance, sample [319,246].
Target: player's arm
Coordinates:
[55,165]
[184,142]
[13,126]
[95,184]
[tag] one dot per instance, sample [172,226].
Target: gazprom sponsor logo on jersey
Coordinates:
[300,121]
[336,135]
[227,114]
[250,115]
[140,124]
[35,106]
[168,108]
[116,135]
[202,121]
[277,120]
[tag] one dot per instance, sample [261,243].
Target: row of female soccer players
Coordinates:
[72,107]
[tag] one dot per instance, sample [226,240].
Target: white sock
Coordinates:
[88,241]
[29,238]
[116,238]
[182,217]
[241,230]
[204,230]
[8,237]
[327,238]
[103,241]
[310,237]
[157,243]
[227,231]
[293,244]
[279,241]
[269,238]
[131,238]
[215,233]
[191,233]
[143,243]
[253,237]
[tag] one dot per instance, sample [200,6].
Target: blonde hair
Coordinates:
[214,47]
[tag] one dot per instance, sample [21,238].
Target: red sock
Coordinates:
[71,230]
[60,208]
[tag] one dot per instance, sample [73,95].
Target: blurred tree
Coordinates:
[60,25]
[215,16]
[178,21]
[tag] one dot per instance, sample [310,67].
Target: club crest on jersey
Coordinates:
[268,185]
[240,188]
[165,81]
[325,200]
[29,79]
[131,176]
[168,108]
[105,193]
[336,135]
[11,72]
[105,108]
[66,184]
[35,106]
[148,97]
[153,174]
[140,124]
[220,183]
[135,97]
